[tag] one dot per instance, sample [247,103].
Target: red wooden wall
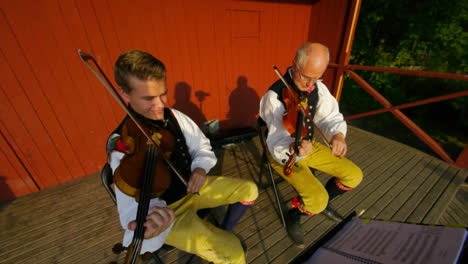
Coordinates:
[55,116]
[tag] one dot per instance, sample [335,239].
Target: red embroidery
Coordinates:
[247,202]
[341,186]
[296,203]
[120,146]
[305,212]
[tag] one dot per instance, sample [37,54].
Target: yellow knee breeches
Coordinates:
[196,236]
[313,194]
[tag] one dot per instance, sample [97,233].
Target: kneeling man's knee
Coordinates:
[250,191]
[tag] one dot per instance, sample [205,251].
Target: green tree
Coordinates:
[427,35]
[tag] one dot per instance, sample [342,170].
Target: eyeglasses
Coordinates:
[306,78]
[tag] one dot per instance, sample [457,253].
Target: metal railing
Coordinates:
[462,160]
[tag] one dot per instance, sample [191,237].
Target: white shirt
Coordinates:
[327,117]
[199,148]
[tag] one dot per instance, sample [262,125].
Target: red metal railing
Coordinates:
[462,160]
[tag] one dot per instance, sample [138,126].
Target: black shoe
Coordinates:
[333,190]
[332,214]
[294,228]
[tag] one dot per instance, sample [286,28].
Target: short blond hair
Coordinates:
[139,64]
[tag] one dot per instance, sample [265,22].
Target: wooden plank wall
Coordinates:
[12,173]
[55,116]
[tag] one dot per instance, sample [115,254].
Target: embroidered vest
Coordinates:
[312,100]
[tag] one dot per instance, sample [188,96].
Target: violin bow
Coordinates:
[85,57]
[301,106]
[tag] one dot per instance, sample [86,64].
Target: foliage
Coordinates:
[426,35]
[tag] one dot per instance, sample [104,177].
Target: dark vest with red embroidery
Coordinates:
[180,156]
[312,100]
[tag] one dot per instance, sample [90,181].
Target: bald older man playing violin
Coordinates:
[309,64]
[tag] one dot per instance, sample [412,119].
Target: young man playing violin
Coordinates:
[303,77]
[173,218]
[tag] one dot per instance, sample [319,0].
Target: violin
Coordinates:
[147,158]
[293,106]
[142,174]
[127,177]
[293,120]
[136,176]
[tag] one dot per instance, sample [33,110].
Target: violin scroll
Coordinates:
[287,170]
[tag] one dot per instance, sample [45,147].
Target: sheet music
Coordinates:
[390,242]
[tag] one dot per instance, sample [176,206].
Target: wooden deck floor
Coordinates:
[77,222]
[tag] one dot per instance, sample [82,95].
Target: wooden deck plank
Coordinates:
[393,186]
[94,252]
[431,196]
[445,196]
[459,211]
[55,207]
[78,223]
[284,252]
[360,152]
[446,219]
[48,228]
[363,195]
[454,218]
[274,231]
[417,196]
[53,245]
[80,245]
[383,182]
[405,191]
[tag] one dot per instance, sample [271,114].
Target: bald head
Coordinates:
[310,63]
[312,55]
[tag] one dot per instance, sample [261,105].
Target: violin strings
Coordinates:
[143,205]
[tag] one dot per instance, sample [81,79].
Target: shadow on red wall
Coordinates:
[243,106]
[5,193]
[182,103]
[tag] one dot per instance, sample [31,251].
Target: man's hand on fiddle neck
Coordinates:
[305,148]
[156,222]
[339,147]
[197,179]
